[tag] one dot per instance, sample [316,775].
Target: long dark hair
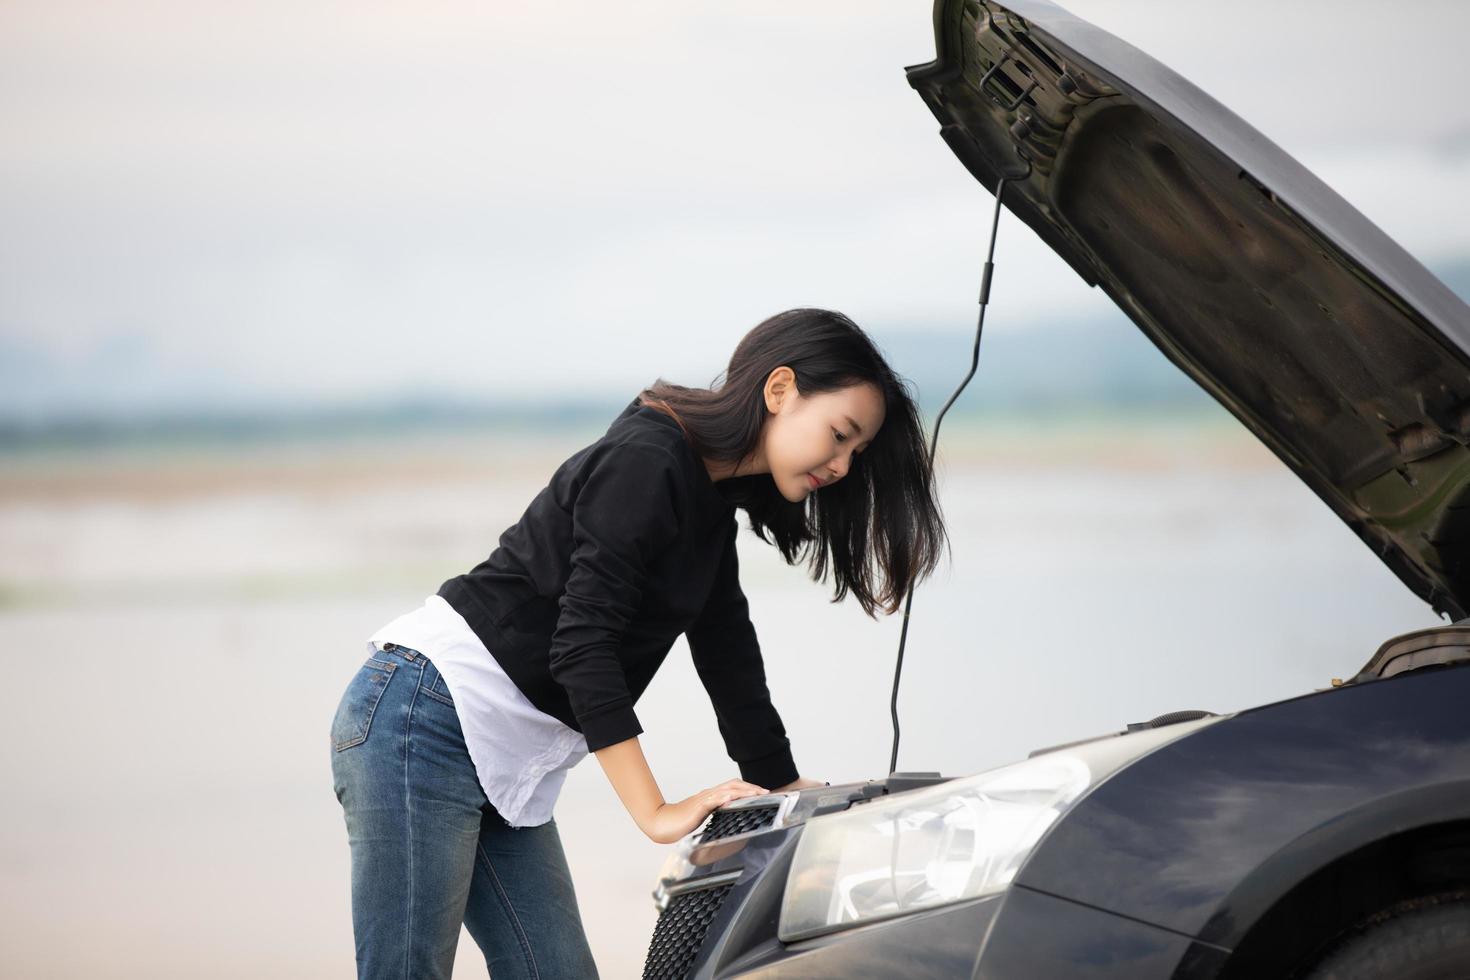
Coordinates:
[882,517]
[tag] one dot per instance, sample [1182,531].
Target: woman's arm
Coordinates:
[727,657]
[664,823]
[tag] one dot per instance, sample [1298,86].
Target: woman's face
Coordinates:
[810,441]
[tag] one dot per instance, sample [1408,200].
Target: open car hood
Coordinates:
[1324,337]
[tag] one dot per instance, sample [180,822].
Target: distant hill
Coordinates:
[1053,369]
[1064,366]
[1455,275]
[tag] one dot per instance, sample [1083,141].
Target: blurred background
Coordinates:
[301,303]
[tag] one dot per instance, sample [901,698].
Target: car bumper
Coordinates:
[1019,935]
[723,903]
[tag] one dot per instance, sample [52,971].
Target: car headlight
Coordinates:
[959,840]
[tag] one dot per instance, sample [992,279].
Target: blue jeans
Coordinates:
[429,851]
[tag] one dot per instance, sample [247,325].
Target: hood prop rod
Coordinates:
[985,278]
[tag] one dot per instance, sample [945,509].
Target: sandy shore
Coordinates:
[179,473]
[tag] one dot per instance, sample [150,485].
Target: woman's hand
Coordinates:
[672,821]
[801,784]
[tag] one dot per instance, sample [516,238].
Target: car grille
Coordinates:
[680,932]
[728,823]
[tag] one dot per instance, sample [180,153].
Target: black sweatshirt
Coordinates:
[629,545]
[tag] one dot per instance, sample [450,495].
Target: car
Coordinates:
[1324,835]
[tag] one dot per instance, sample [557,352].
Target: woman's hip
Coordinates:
[395,733]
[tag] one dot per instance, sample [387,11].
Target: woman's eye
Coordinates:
[839,435]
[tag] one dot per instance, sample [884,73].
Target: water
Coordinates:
[193,617]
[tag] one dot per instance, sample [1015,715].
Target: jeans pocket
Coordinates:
[355,712]
[438,690]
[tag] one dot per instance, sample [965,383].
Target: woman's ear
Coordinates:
[780,388]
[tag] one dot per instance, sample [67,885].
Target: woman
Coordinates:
[453,740]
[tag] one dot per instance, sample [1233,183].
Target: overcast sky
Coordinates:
[313,200]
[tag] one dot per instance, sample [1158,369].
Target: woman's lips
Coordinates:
[815,482]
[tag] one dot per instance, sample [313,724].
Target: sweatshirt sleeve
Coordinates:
[623,515]
[727,657]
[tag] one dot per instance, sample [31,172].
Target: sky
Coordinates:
[323,202]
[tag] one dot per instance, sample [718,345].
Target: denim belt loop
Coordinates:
[405,652]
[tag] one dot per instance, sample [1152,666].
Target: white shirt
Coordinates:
[521,754]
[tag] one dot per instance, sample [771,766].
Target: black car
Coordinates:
[1326,835]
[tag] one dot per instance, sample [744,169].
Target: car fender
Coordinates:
[1202,834]
[1376,820]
